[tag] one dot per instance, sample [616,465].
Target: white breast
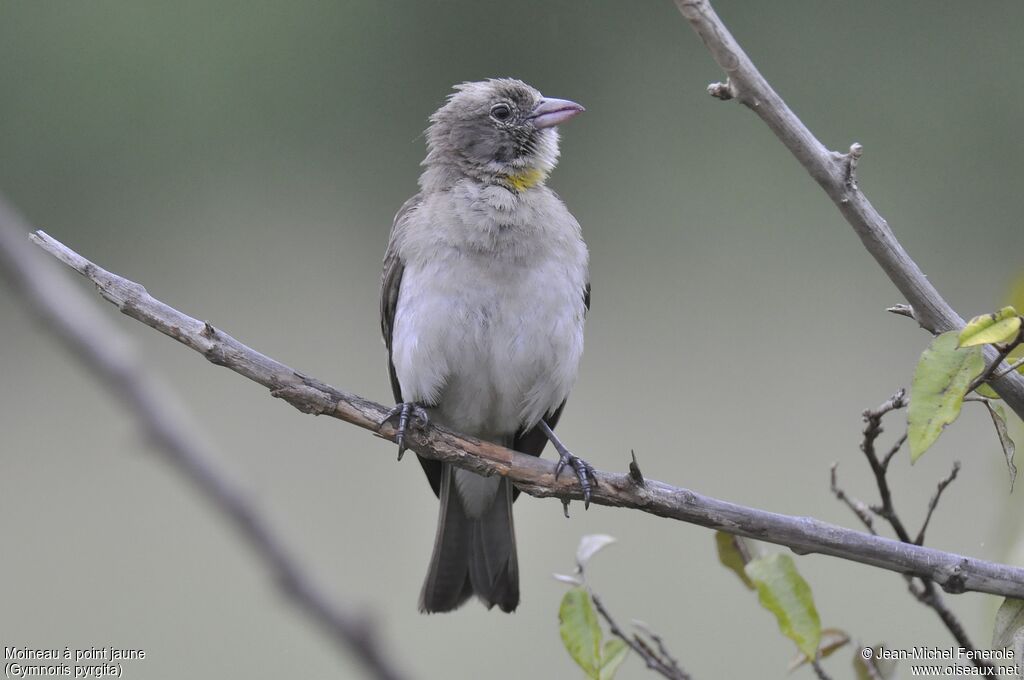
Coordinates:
[489,322]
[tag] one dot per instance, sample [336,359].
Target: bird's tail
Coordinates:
[472,555]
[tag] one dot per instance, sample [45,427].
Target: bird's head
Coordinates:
[499,130]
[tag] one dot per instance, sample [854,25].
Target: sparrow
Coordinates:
[483,299]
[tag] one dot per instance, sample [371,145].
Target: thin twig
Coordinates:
[990,370]
[832,171]
[857,507]
[663,652]
[1011,368]
[926,593]
[665,665]
[922,588]
[535,476]
[893,450]
[935,501]
[901,310]
[820,671]
[104,349]
[872,429]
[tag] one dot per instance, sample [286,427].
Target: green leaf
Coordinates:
[1001,326]
[1008,632]
[734,553]
[985,391]
[612,656]
[1009,449]
[581,633]
[785,593]
[1016,298]
[941,379]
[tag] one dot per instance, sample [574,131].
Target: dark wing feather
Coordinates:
[534,440]
[390,285]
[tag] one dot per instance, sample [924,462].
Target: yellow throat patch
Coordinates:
[526,179]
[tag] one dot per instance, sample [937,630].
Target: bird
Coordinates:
[484,294]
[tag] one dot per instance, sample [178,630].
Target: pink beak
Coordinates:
[551,112]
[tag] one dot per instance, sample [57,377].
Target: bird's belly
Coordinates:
[492,355]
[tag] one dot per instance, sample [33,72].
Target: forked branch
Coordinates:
[921,588]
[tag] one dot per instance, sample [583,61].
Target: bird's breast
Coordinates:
[495,343]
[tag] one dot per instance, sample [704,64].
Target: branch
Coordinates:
[1011,368]
[934,502]
[660,661]
[872,429]
[101,347]
[922,589]
[856,506]
[955,573]
[1001,354]
[835,173]
[819,670]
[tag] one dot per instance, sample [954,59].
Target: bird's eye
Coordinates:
[501,112]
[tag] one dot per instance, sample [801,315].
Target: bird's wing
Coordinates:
[534,440]
[390,285]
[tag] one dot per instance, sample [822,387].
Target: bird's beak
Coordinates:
[551,112]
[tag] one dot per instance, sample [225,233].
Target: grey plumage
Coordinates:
[483,298]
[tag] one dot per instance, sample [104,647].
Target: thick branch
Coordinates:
[836,174]
[78,323]
[955,573]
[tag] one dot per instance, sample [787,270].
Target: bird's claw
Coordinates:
[584,473]
[408,413]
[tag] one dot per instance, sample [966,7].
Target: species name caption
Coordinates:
[69,662]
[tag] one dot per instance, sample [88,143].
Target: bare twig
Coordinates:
[872,429]
[901,310]
[934,502]
[1011,368]
[832,172]
[921,588]
[926,593]
[893,450]
[857,507]
[804,535]
[663,650]
[104,349]
[659,661]
[820,671]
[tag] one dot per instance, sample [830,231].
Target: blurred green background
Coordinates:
[243,161]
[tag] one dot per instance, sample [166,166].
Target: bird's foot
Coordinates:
[409,414]
[584,470]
